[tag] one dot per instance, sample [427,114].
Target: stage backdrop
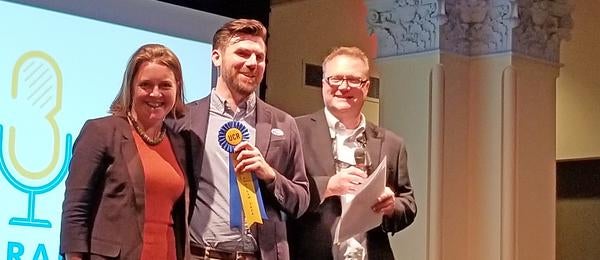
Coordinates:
[62,63]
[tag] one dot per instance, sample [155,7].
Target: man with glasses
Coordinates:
[341,149]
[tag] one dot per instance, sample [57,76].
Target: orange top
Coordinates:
[164,184]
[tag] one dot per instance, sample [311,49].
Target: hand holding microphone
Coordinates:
[349,179]
[346,181]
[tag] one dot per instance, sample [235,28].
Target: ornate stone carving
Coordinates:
[470,27]
[404,26]
[542,25]
[477,27]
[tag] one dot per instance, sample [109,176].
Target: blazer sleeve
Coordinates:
[86,170]
[290,186]
[405,209]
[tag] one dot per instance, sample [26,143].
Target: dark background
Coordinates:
[254,9]
[578,179]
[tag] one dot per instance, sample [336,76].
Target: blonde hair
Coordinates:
[347,51]
[155,53]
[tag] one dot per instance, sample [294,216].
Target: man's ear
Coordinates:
[216,57]
[366,87]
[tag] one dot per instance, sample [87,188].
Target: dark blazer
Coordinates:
[311,236]
[103,210]
[287,195]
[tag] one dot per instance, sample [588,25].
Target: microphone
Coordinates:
[361,158]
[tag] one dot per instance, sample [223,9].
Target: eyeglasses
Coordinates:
[336,81]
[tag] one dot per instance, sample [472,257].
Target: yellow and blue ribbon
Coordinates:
[244,191]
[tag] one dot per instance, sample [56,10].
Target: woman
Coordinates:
[126,194]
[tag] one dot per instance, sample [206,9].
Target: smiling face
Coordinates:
[342,100]
[154,91]
[241,63]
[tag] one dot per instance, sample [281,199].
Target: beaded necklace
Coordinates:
[147,139]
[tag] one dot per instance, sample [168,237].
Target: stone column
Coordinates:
[470,84]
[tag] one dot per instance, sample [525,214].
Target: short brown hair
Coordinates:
[348,51]
[155,53]
[237,27]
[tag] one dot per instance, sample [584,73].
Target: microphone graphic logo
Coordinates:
[37,94]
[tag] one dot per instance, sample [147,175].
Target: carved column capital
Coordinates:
[404,26]
[542,26]
[470,27]
[477,27]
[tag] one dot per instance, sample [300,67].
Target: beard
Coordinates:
[239,84]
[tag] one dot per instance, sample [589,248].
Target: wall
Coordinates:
[578,128]
[578,86]
[580,239]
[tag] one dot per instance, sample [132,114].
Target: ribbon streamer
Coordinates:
[244,190]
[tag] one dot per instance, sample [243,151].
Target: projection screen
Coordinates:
[61,63]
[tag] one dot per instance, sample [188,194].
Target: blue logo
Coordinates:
[30,220]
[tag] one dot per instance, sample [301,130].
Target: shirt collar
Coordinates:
[334,124]
[220,105]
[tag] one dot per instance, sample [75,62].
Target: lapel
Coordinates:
[320,143]
[178,146]
[374,140]
[263,127]
[134,169]
[198,122]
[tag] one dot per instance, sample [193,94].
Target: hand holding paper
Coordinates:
[385,202]
[358,215]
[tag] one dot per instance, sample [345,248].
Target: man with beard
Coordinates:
[249,168]
[341,149]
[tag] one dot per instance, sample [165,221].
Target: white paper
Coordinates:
[357,216]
